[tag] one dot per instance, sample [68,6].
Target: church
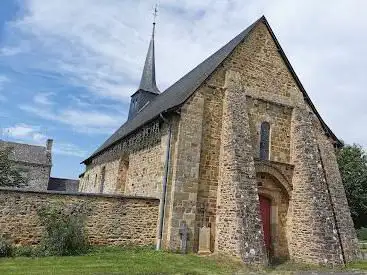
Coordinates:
[237,154]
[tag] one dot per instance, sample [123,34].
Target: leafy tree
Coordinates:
[352,160]
[9,175]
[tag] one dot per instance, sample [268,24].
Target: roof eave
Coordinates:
[170,110]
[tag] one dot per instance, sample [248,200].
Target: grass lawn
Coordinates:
[120,261]
[359,265]
[138,261]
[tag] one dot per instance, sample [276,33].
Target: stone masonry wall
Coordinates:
[146,171]
[263,72]
[239,231]
[185,173]
[209,160]
[338,198]
[37,175]
[279,118]
[92,179]
[313,236]
[272,95]
[111,220]
[258,60]
[143,176]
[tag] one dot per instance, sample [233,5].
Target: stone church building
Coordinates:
[236,146]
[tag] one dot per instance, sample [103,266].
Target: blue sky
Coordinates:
[67,71]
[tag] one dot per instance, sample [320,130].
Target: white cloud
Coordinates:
[33,134]
[79,120]
[68,149]
[43,98]
[82,116]
[25,132]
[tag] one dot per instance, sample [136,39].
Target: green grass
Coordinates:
[362,265]
[120,261]
[143,262]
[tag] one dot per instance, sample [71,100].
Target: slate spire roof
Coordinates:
[174,96]
[147,82]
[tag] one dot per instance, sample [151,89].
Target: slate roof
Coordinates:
[147,82]
[179,92]
[31,154]
[60,184]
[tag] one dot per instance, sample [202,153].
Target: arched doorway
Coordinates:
[274,202]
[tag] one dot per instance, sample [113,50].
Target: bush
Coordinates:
[6,249]
[64,230]
[362,233]
[25,251]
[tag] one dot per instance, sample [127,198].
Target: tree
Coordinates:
[352,160]
[9,175]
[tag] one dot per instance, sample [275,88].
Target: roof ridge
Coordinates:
[22,143]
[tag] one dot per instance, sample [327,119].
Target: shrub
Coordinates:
[64,230]
[6,249]
[362,233]
[25,251]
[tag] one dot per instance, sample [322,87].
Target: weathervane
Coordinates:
[155,13]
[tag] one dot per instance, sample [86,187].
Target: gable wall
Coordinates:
[270,89]
[272,96]
[271,92]
[261,65]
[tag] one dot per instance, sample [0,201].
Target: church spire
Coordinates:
[148,88]
[147,82]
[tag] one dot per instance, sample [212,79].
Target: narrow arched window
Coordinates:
[122,175]
[264,140]
[103,175]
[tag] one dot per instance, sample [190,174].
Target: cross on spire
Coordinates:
[155,13]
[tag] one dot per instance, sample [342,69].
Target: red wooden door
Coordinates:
[265,217]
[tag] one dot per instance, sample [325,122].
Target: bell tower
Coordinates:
[148,88]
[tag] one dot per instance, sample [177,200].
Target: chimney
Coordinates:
[49,143]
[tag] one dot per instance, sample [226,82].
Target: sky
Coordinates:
[67,69]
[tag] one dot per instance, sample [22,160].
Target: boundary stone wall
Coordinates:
[111,219]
